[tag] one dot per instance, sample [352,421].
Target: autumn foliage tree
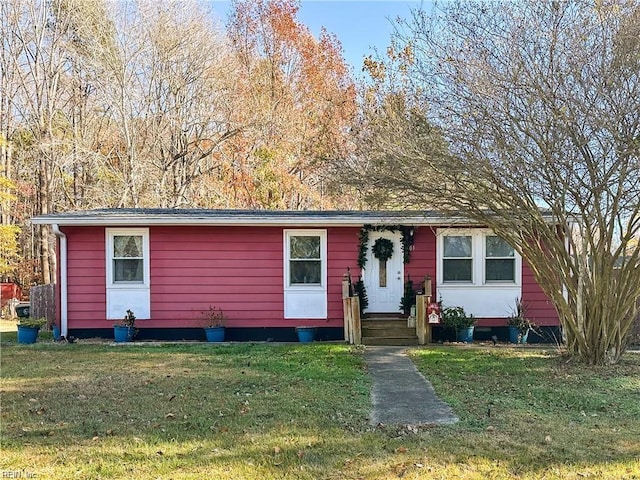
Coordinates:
[304,100]
[156,104]
[9,252]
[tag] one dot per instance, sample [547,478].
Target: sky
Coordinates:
[360,25]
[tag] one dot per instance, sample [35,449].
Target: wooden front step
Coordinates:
[390,341]
[387,331]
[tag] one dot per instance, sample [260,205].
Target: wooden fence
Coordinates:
[43,302]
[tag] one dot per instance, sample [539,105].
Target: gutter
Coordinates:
[231,221]
[63,280]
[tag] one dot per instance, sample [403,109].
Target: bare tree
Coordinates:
[115,56]
[35,52]
[84,24]
[539,106]
[192,98]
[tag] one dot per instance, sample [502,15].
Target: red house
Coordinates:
[271,271]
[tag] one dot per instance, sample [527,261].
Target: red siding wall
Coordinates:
[87,299]
[423,258]
[539,308]
[239,269]
[342,250]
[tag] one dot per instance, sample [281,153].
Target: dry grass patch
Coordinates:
[8,325]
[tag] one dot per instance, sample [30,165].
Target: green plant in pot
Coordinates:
[461,322]
[28,329]
[125,330]
[53,326]
[408,300]
[214,322]
[361,291]
[519,324]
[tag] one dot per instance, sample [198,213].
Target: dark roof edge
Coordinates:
[156,216]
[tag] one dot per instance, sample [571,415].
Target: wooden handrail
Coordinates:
[351,312]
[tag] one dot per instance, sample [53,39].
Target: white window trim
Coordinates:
[478,252]
[308,301]
[113,232]
[458,233]
[515,281]
[492,299]
[323,259]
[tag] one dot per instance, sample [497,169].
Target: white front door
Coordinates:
[384,280]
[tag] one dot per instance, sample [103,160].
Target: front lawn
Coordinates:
[300,411]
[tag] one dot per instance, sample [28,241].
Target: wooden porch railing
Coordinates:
[351,310]
[423,328]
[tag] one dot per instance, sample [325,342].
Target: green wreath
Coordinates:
[383,249]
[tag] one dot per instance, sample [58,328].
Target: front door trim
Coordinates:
[385,299]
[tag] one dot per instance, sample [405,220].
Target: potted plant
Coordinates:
[214,324]
[55,329]
[28,329]
[519,324]
[125,331]
[461,322]
[409,298]
[306,334]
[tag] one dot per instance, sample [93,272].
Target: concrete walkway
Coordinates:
[400,394]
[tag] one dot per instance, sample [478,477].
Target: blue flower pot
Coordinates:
[306,334]
[465,335]
[56,333]
[514,333]
[27,334]
[214,334]
[123,334]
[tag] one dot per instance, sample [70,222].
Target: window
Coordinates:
[128,272]
[127,257]
[305,274]
[499,260]
[477,270]
[476,257]
[305,260]
[457,258]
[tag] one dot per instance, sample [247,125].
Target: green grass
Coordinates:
[535,414]
[300,411]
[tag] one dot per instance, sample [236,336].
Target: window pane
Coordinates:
[127,246]
[382,273]
[456,270]
[305,272]
[305,247]
[457,246]
[128,270]
[497,247]
[500,270]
